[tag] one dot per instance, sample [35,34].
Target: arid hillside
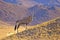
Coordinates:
[49,30]
[7,29]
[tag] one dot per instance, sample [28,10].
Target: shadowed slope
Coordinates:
[46,31]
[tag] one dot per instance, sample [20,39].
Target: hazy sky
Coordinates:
[44,2]
[11,1]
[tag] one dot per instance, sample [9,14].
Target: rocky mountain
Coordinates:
[10,11]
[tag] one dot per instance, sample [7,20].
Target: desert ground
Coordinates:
[49,30]
[7,30]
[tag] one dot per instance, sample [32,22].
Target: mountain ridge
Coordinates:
[11,12]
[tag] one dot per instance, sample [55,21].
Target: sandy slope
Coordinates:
[7,30]
[46,31]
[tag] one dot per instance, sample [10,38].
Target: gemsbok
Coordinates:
[24,21]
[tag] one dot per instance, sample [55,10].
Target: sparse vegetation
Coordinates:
[51,31]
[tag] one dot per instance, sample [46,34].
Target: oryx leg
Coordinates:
[17,28]
[26,26]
